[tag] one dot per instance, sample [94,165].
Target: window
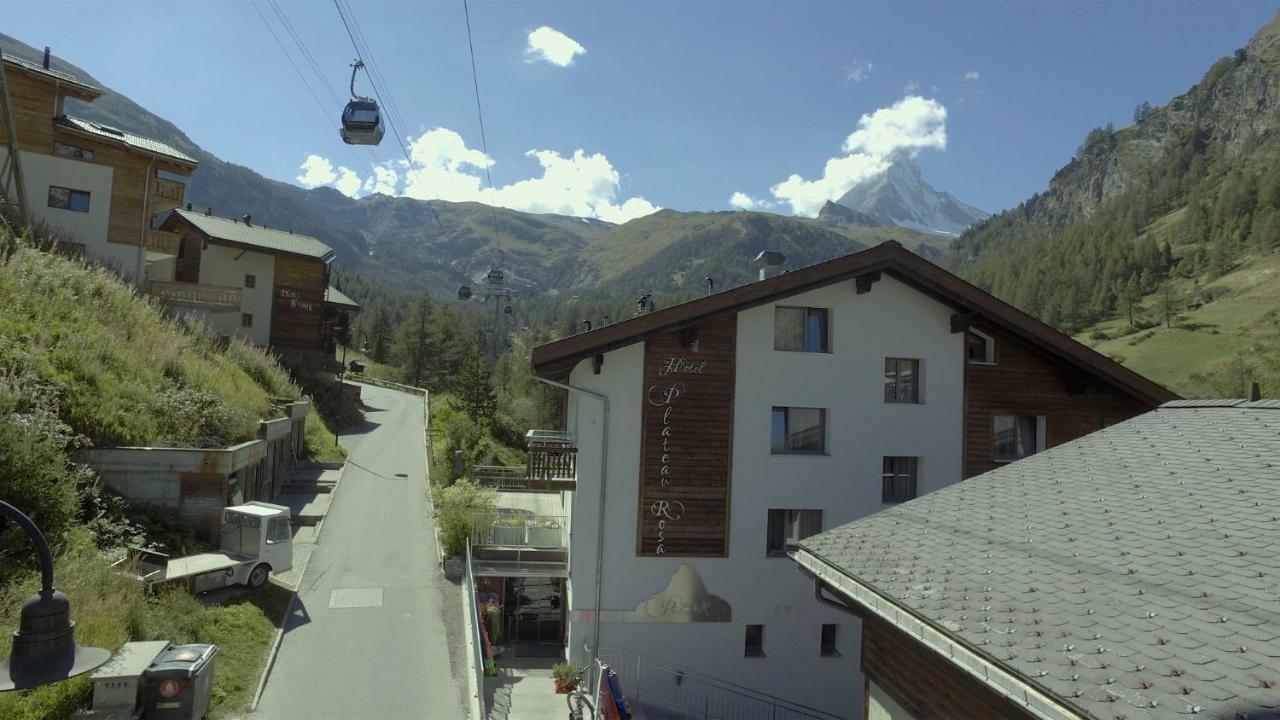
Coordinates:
[71,151]
[1017,436]
[829,632]
[899,479]
[802,329]
[788,527]
[981,348]
[246,320]
[799,430]
[68,199]
[278,530]
[755,641]
[251,281]
[901,380]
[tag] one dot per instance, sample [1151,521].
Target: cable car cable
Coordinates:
[374,69]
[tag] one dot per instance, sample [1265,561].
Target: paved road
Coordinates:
[368,637]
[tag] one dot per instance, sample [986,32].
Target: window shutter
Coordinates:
[810,523]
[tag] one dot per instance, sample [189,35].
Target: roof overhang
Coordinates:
[69,84]
[251,247]
[185,163]
[557,359]
[977,665]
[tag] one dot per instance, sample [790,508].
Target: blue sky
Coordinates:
[675,105]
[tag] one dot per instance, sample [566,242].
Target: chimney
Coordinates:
[769,261]
[188,207]
[711,285]
[586,326]
[208,211]
[46,57]
[1255,392]
[604,321]
[248,219]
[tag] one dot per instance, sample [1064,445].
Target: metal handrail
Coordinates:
[477,656]
[519,530]
[658,683]
[215,296]
[548,437]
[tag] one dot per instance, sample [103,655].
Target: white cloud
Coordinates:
[318,171]
[547,43]
[911,88]
[743,201]
[857,71]
[973,75]
[443,167]
[908,126]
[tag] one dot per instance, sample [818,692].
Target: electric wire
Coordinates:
[377,94]
[375,68]
[484,142]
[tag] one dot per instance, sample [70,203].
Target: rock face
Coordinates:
[900,197]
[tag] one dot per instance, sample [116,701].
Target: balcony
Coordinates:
[551,465]
[518,530]
[163,241]
[166,195]
[207,297]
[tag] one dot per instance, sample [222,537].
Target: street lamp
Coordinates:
[44,647]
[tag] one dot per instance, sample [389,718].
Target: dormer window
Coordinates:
[981,348]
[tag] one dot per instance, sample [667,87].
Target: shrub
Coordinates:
[455,507]
[1099,335]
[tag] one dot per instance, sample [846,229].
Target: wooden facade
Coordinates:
[687,441]
[297,304]
[923,683]
[1026,381]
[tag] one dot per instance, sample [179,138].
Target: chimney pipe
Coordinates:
[188,207]
[46,57]
[769,262]
[586,324]
[711,285]
[208,211]
[248,219]
[1255,392]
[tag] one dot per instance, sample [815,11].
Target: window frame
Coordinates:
[990,354]
[894,475]
[1039,438]
[250,281]
[72,193]
[825,649]
[824,342]
[786,433]
[275,523]
[747,649]
[916,380]
[792,529]
[246,320]
[67,150]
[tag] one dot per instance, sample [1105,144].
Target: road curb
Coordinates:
[293,601]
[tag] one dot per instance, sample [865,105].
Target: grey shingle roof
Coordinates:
[256,235]
[337,297]
[126,138]
[56,74]
[1132,573]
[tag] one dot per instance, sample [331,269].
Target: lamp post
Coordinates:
[44,646]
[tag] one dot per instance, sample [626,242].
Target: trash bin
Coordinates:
[178,683]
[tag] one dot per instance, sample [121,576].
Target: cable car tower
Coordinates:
[495,289]
[361,120]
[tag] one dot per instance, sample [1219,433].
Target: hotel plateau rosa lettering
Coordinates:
[684,479]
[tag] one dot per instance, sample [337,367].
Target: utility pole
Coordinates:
[11,173]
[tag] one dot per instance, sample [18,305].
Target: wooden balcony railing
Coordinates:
[166,195]
[163,241]
[211,297]
[518,530]
[549,463]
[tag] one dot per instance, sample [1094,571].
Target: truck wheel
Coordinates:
[258,576]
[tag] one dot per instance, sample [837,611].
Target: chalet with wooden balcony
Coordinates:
[267,285]
[98,187]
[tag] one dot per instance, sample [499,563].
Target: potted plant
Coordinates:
[546,533]
[566,677]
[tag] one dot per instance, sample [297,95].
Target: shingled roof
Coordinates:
[1132,573]
[87,89]
[252,237]
[557,359]
[128,139]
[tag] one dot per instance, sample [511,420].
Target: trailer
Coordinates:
[256,541]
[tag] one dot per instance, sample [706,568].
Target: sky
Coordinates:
[614,109]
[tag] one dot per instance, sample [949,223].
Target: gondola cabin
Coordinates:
[362,123]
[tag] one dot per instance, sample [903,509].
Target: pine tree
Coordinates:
[475,391]
[380,333]
[415,345]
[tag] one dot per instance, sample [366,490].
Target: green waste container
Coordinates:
[178,683]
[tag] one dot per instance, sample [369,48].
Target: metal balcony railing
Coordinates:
[499,477]
[518,530]
[212,297]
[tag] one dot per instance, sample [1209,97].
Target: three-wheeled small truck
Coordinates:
[256,541]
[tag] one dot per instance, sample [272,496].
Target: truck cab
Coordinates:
[260,531]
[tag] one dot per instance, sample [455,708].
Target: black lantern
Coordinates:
[44,647]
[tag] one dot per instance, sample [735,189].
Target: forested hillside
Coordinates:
[1190,191]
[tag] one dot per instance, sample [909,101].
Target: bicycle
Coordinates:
[580,698]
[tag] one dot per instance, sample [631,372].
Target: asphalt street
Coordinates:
[370,634]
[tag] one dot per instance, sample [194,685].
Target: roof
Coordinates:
[556,359]
[253,237]
[128,139]
[1130,573]
[52,74]
[335,296]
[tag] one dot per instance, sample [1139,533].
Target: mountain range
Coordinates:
[900,196]
[409,244]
